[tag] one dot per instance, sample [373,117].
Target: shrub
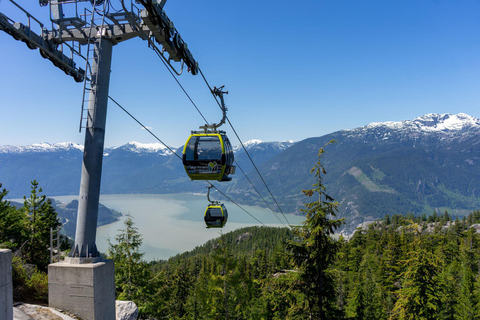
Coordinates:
[29,283]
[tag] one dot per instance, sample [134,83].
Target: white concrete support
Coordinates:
[86,290]
[6,288]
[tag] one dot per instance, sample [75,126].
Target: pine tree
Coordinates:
[419,297]
[365,303]
[41,217]
[468,296]
[450,292]
[13,222]
[315,251]
[181,287]
[132,274]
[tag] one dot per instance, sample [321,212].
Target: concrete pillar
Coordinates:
[6,288]
[84,289]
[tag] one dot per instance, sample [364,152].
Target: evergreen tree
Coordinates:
[133,279]
[181,285]
[449,299]
[13,223]
[468,296]
[315,251]
[41,217]
[419,297]
[365,304]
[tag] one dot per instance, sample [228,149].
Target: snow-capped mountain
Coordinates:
[446,125]
[432,122]
[133,167]
[259,151]
[279,145]
[138,147]
[41,147]
[430,162]
[250,143]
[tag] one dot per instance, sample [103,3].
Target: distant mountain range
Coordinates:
[132,168]
[429,163]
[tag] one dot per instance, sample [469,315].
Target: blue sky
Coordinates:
[293,69]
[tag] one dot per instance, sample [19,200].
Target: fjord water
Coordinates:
[173,223]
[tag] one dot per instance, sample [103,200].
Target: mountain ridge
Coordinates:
[370,176]
[420,165]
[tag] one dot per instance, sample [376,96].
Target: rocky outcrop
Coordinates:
[243,237]
[126,310]
[25,311]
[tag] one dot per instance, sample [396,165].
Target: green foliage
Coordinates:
[29,283]
[315,250]
[419,297]
[388,271]
[131,273]
[13,230]
[26,231]
[41,216]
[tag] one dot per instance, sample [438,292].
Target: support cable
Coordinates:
[268,205]
[178,82]
[144,127]
[148,130]
[162,58]
[258,172]
[246,151]
[229,199]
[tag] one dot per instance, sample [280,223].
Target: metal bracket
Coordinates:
[218,92]
[208,195]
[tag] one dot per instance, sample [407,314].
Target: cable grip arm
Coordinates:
[210,186]
[218,92]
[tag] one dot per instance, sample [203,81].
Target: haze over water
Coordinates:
[173,223]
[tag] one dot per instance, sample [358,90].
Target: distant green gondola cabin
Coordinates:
[216,216]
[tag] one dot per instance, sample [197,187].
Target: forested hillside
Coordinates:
[26,231]
[400,267]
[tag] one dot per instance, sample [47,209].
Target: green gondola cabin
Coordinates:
[216,216]
[208,156]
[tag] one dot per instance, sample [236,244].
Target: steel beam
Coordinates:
[85,246]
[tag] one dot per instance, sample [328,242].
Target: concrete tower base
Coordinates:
[84,289]
[6,288]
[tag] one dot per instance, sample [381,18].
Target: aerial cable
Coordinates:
[268,205]
[111,5]
[178,82]
[229,199]
[144,127]
[148,130]
[245,149]
[258,172]
[166,63]
[162,58]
